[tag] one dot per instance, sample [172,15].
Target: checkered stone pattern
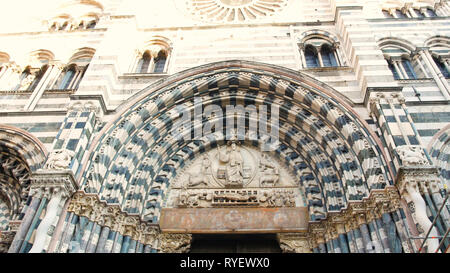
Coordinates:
[4,215]
[440,154]
[75,134]
[395,123]
[137,157]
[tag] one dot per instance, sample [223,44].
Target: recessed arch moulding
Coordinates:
[326,155]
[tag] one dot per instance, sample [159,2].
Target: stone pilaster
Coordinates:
[412,181]
[56,186]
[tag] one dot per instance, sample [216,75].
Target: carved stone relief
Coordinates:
[411,155]
[59,159]
[235,175]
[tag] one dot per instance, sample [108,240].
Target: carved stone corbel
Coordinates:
[174,242]
[294,242]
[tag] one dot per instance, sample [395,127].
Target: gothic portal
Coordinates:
[227,124]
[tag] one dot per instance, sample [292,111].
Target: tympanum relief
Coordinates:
[235,175]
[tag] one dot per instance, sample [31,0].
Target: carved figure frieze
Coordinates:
[235,175]
[275,197]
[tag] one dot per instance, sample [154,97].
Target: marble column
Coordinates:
[58,197]
[422,217]
[58,186]
[49,74]
[25,225]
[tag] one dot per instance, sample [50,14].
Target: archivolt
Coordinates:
[135,158]
[20,154]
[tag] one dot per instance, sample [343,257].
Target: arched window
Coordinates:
[399,14]
[149,64]
[399,62]
[63,26]
[91,24]
[431,13]
[153,57]
[419,14]
[387,14]
[393,70]
[408,69]
[328,57]
[144,63]
[160,62]
[442,67]
[311,57]
[65,79]
[38,77]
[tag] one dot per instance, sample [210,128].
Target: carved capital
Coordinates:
[174,242]
[130,225]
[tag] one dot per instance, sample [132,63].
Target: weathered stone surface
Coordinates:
[211,220]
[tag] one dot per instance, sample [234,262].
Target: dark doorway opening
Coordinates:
[235,243]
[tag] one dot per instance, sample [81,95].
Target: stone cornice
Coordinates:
[416,175]
[44,182]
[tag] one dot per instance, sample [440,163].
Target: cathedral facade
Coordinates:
[164,126]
